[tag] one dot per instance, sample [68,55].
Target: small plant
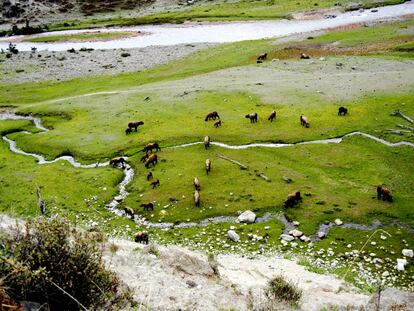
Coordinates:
[12,48]
[281,290]
[213,264]
[152,249]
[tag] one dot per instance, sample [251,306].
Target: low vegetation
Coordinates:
[281,290]
[82,37]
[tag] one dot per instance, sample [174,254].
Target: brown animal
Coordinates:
[155,183]
[342,111]
[144,158]
[208,166]
[134,125]
[304,121]
[217,123]
[196,198]
[149,176]
[212,116]
[293,199]
[150,147]
[196,183]
[261,57]
[304,56]
[128,131]
[129,212]
[147,206]
[116,161]
[152,159]
[206,142]
[384,193]
[272,116]
[142,237]
[252,117]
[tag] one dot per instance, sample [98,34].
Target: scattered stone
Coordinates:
[232,235]
[294,244]
[286,237]
[118,198]
[373,243]
[321,234]
[296,223]
[266,227]
[407,252]
[288,180]
[304,238]
[401,264]
[247,217]
[385,274]
[296,233]
[338,222]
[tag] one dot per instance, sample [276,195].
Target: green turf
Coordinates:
[90,36]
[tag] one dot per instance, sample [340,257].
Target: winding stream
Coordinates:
[167,35]
[129,174]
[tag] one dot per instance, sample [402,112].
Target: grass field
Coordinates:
[82,37]
[336,180]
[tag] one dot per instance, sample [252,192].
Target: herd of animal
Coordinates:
[150,158]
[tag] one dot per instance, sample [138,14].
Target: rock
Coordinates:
[304,238]
[383,237]
[232,235]
[321,234]
[338,222]
[266,227]
[296,233]
[286,237]
[338,64]
[407,252]
[284,243]
[288,180]
[191,283]
[296,223]
[392,299]
[401,264]
[247,217]
[118,198]
[293,244]
[385,274]
[322,58]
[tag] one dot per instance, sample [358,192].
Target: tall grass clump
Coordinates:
[49,262]
[278,289]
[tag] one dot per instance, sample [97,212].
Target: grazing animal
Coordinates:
[152,159]
[142,237]
[208,166]
[149,176]
[129,212]
[144,158]
[196,198]
[252,117]
[116,161]
[155,183]
[147,206]
[128,131]
[150,147]
[196,183]
[217,123]
[212,116]
[304,121]
[261,57]
[293,199]
[272,116]
[304,56]
[206,142]
[384,193]
[134,125]
[342,111]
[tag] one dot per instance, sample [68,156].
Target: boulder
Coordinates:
[338,222]
[296,233]
[232,235]
[247,217]
[286,237]
[401,264]
[408,253]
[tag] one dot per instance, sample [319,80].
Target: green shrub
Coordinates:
[50,262]
[281,290]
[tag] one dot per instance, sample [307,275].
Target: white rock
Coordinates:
[407,252]
[267,228]
[321,234]
[401,264]
[294,244]
[118,198]
[247,217]
[304,238]
[232,235]
[296,233]
[385,274]
[296,223]
[338,222]
[349,246]
[383,237]
[286,237]
[374,243]
[284,243]
[232,227]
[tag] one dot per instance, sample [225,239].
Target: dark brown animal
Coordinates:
[293,199]
[151,147]
[147,206]
[142,237]
[304,56]
[206,142]
[155,183]
[116,161]
[196,198]
[149,176]
[212,116]
[217,123]
[304,121]
[261,57]
[342,111]
[208,166]
[128,131]
[129,212]
[252,117]
[384,193]
[144,158]
[196,183]
[134,125]
[152,159]
[272,116]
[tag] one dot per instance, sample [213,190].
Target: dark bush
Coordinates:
[280,290]
[49,262]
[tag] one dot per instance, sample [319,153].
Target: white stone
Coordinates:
[286,237]
[338,222]
[296,223]
[296,233]
[374,243]
[383,237]
[304,238]
[321,234]
[284,243]
[267,228]
[407,252]
[349,246]
[232,227]
[247,217]
[401,264]
[294,244]
[232,235]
